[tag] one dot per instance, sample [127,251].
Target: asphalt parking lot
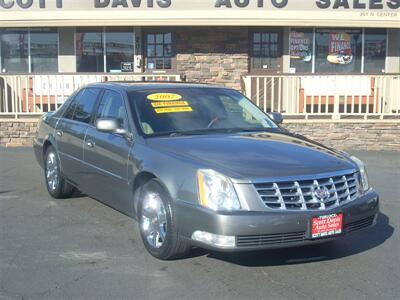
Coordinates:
[81,249]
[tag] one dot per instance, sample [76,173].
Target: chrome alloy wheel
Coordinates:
[52,177]
[154,220]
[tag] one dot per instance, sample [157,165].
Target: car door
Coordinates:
[107,154]
[71,130]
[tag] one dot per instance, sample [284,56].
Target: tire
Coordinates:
[55,182]
[155,204]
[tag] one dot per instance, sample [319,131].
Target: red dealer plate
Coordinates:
[326,225]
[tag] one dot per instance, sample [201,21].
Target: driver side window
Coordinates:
[112,107]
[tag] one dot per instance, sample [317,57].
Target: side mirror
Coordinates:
[107,125]
[277,117]
[112,126]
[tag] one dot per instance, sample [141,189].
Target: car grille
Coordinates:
[358,225]
[299,195]
[269,239]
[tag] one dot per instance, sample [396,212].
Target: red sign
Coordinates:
[340,43]
[326,225]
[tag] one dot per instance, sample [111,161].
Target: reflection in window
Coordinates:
[159,51]
[338,51]
[112,107]
[14,51]
[301,51]
[89,50]
[85,104]
[375,50]
[69,113]
[44,50]
[119,48]
[266,50]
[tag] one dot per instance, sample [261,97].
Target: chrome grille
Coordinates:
[300,194]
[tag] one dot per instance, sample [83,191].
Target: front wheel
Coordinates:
[56,184]
[157,222]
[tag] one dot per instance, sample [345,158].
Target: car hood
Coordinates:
[254,156]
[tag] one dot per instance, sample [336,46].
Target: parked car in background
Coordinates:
[199,165]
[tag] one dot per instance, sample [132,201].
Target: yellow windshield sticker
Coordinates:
[164,97]
[167,110]
[169,103]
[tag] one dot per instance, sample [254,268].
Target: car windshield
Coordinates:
[182,111]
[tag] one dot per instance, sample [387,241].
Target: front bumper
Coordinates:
[38,150]
[272,229]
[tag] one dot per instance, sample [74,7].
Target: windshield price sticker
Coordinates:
[169,103]
[167,110]
[164,97]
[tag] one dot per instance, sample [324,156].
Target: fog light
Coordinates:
[221,241]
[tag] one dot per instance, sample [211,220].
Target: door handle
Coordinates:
[59,133]
[90,144]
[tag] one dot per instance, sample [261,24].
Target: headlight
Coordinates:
[364,185]
[216,191]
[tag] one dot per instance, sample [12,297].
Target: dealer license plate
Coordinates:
[327,225]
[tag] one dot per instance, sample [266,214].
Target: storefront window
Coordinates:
[119,48]
[14,51]
[375,51]
[338,51]
[266,50]
[44,50]
[89,50]
[159,51]
[301,50]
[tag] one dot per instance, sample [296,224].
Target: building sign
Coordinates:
[321,4]
[200,12]
[127,67]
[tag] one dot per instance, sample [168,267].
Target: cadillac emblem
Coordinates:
[321,193]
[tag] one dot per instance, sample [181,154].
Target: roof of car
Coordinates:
[145,85]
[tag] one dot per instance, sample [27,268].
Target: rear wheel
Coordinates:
[56,184]
[157,222]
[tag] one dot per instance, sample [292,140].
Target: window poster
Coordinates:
[300,47]
[340,50]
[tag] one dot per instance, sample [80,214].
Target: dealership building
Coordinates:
[312,60]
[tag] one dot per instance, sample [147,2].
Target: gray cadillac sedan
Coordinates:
[199,165]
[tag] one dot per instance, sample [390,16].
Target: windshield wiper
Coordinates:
[236,130]
[212,131]
[195,132]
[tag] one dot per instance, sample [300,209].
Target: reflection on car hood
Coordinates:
[255,155]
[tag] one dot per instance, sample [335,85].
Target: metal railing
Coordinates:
[32,95]
[327,96]
[296,96]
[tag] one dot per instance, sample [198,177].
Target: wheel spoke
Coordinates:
[154,220]
[52,171]
[148,212]
[162,230]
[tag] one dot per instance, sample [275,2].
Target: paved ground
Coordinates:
[80,249]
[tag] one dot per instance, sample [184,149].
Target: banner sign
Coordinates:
[207,12]
[300,46]
[340,51]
